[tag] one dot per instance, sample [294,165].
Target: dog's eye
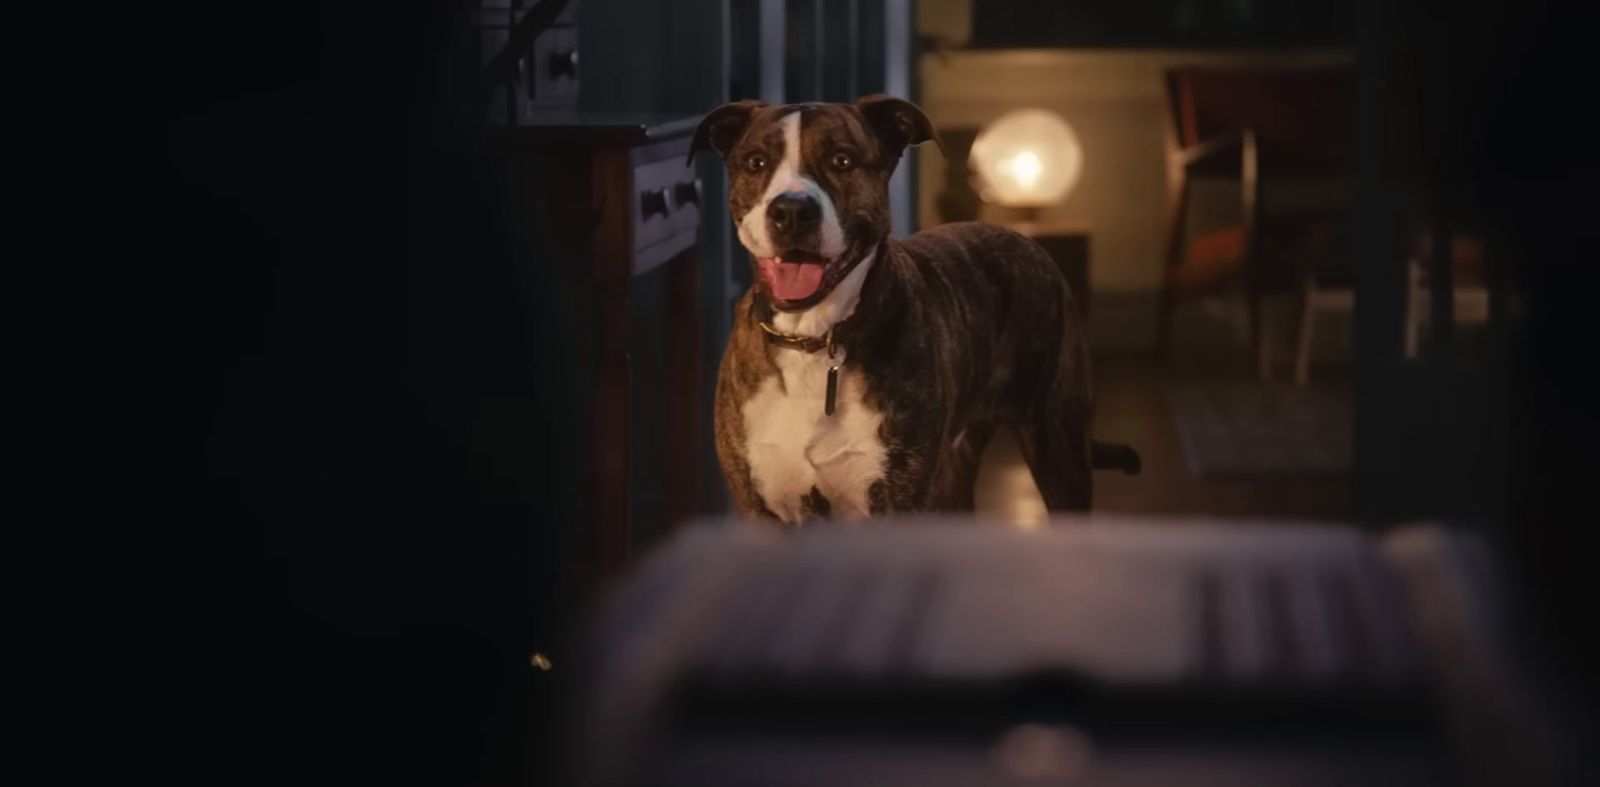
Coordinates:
[756,162]
[842,161]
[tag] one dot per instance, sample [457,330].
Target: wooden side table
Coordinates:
[626,201]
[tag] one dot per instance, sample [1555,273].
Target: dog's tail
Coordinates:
[1114,456]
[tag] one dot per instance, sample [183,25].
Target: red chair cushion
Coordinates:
[1212,259]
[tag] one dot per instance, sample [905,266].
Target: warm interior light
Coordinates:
[1025,168]
[1026,158]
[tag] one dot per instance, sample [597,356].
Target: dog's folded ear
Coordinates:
[722,127]
[897,122]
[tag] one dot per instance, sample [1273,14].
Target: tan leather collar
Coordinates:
[808,344]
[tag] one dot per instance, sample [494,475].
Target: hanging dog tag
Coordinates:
[833,390]
[833,380]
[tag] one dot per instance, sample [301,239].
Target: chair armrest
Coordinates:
[1209,150]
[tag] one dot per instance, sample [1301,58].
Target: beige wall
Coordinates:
[1113,100]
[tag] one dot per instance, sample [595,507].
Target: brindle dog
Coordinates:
[865,374]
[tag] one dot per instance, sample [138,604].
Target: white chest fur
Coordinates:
[793,446]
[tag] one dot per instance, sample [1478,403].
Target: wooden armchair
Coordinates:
[1287,135]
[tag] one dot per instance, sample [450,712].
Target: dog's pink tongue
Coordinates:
[791,281]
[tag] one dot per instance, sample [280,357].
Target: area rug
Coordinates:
[1246,429]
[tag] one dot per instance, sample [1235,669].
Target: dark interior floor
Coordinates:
[1131,407]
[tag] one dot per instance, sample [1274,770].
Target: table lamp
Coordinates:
[1026,160]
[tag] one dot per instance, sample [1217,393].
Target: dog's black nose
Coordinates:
[793,213]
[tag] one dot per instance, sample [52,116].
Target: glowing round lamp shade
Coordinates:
[1026,158]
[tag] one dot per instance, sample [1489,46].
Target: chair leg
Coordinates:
[1302,337]
[1175,235]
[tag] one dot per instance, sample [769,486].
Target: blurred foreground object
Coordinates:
[1094,651]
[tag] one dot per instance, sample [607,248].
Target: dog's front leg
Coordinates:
[742,491]
[736,471]
[730,443]
[908,476]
